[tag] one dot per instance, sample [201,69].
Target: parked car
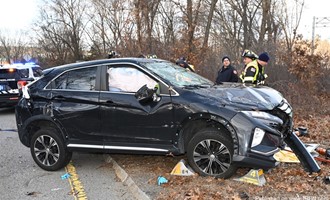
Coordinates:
[12,78]
[152,106]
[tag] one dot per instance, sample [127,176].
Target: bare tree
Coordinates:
[110,21]
[192,15]
[145,12]
[13,46]
[289,16]
[167,23]
[61,26]
[209,22]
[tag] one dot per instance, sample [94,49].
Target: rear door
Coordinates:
[74,102]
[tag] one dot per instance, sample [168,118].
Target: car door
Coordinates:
[124,120]
[74,103]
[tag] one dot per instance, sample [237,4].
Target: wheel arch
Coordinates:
[197,122]
[35,123]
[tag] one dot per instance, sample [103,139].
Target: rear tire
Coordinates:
[48,150]
[210,153]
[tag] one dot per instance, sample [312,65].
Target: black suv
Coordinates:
[152,106]
[12,78]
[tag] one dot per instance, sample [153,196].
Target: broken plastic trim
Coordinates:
[305,158]
[26,94]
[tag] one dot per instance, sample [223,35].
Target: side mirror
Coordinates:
[144,94]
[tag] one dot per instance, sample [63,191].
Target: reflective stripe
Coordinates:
[253,79]
[241,77]
[134,148]
[117,147]
[248,79]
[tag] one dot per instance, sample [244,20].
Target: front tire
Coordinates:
[48,150]
[210,153]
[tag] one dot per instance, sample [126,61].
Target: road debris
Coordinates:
[34,194]
[56,189]
[326,180]
[286,157]
[161,180]
[324,152]
[65,176]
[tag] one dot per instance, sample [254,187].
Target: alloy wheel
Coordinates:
[46,150]
[212,157]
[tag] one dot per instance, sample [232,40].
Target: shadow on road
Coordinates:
[7,110]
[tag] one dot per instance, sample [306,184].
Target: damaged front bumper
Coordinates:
[259,138]
[257,142]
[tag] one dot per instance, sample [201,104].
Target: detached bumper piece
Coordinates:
[306,159]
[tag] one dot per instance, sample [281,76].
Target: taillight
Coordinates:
[20,84]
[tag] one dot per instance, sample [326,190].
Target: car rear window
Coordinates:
[13,73]
[8,73]
[23,73]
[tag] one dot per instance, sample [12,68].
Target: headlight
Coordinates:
[258,135]
[285,107]
[263,116]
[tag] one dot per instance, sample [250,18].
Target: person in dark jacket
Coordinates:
[227,73]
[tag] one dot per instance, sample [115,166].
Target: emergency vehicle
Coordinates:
[13,77]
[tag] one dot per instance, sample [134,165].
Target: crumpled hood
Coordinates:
[239,95]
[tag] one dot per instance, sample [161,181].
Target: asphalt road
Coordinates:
[21,178]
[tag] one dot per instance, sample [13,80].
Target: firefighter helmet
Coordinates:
[249,54]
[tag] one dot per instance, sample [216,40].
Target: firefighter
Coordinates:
[251,69]
[183,63]
[227,72]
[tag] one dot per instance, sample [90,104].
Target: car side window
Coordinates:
[128,79]
[80,79]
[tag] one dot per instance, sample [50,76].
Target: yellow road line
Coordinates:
[77,188]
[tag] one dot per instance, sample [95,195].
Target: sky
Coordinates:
[19,14]
[318,9]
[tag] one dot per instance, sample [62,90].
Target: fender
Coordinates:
[25,134]
[189,123]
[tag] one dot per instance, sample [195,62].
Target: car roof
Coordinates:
[101,62]
[19,66]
